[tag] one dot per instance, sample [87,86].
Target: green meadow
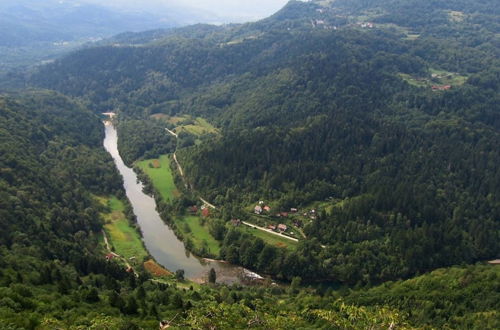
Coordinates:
[161,176]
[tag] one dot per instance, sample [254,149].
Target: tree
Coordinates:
[179,274]
[131,306]
[212,276]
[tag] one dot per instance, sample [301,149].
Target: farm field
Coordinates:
[160,174]
[124,238]
[196,126]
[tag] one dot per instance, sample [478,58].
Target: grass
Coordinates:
[163,181]
[123,237]
[436,77]
[196,126]
[199,127]
[198,233]
[448,78]
[270,238]
[160,174]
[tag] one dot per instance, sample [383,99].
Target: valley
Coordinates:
[335,165]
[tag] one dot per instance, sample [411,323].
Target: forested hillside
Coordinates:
[386,110]
[53,274]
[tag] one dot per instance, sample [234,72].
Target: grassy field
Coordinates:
[437,77]
[197,233]
[196,126]
[200,127]
[123,237]
[270,238]
[160,174]
[448,78]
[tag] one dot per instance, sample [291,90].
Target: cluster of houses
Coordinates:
[367,25]
[260,209]
[280,228]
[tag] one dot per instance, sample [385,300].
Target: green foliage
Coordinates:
[212,276]
[139,139]
[408,176]
[458,297]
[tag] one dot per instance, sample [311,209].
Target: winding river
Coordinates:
[158,238]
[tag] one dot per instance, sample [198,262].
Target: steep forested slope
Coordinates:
[388,109]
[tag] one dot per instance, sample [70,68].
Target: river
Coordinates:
[158,238]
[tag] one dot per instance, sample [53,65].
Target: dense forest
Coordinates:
[382,116]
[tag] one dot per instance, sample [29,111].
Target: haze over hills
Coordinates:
[40,30]
[343,147]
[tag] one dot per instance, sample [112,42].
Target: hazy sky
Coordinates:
[237,9]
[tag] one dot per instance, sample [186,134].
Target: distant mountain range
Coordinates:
[34,31]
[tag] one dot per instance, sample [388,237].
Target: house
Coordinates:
[494,262]
[282,227]
[193,209]
[441,88]
[236,222]
[205,212]
[284,214]
[267,208]
[258,209]
[164,325]
[272,227]
[294,210]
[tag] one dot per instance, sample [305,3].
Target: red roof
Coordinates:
[205,212]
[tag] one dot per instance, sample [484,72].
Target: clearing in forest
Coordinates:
[193,228]
[123,237]
[161,176]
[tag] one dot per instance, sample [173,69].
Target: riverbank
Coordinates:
[158,238]
[123,242]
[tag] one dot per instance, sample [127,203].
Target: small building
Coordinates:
[282,227]
[258,209]
[494,262]
[272,227]
[294,210]
[236,222]
[441,87]
[267,208]
[284,214]
[193,209]
[164,325]
[205,212]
